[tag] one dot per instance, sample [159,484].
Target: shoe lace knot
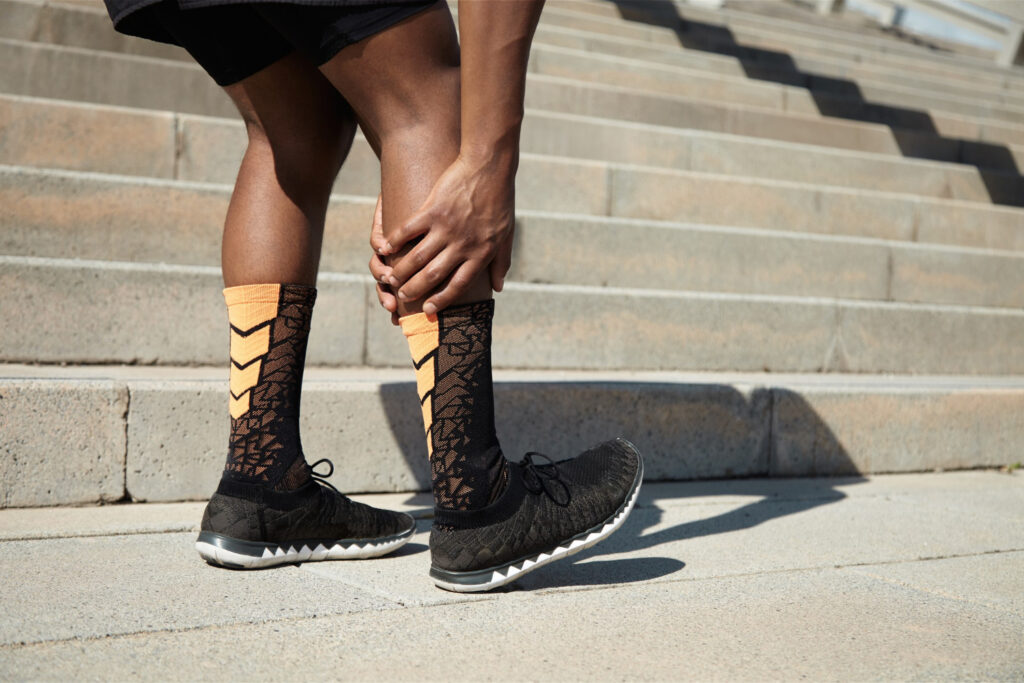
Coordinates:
[322,478]
[544,477]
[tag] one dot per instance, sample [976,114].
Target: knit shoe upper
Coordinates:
[250,526]
[546,512]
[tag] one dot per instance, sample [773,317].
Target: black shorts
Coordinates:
[234,41]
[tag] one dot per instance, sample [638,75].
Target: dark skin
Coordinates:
[448,163]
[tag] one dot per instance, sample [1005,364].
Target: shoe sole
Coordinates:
[233,553]
[488,579]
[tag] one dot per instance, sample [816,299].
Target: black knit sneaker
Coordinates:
[249,527]
[546,512]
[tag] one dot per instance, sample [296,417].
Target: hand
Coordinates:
[466,225]
[378,269]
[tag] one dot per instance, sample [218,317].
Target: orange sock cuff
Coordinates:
[252,294]
[418,323]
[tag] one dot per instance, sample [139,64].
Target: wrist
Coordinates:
[500,157]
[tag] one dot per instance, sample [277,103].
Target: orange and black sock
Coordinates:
[269,329]
[452,356]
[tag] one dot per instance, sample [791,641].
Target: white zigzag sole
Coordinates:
[215,549]
[500,577]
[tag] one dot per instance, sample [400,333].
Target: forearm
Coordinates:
[495,40]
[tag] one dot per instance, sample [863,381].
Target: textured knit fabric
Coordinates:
[541,508]
[452,356]
[269,330]
[313,512]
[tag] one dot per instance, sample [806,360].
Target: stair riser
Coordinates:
[757,41]
[598,189]
[828,75]
[105,314]
[900,107]
[166,440]
[106,78]
[76,27]
[52,134]
[92,218]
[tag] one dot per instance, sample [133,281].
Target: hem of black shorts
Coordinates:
[335,46]
[130,10]
[197,4]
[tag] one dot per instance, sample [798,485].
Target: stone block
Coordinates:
[685,431]
[562,185]
[917,339]
[617,71]
[104,313]
[633,329]
[646,255]
[109,78]
[86,138]
[61,442]
[970,224]
[969,278]
[567,135]
[893,431]
[73,215]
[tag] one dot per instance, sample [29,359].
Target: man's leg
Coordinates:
[267,509]
[404,84]
[300,131]
[493,521]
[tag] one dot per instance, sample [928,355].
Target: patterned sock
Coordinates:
[269,328]
[452,356]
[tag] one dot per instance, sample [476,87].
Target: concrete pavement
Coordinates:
[915,576]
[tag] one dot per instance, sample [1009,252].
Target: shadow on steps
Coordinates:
[913,130]
[685,432]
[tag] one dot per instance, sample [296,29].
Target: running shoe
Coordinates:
[250,527]
[548,511]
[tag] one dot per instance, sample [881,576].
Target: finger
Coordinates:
[377,240]
[394,319]
[416,260]
[453,289]
[387,299]
[502,262]
[430,277]
[380,271]
[418,224]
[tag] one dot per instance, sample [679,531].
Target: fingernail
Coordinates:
[387,248]
[392,280]
[401,295]
[429,309]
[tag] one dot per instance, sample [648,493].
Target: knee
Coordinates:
[306,152]
[431,111]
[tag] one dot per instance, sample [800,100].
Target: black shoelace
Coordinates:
[322,478]
[538,477]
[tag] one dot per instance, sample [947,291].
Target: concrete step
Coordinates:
[88,137]
[44,197]
[862,100]
[78,311]
[820,73]
[89,28]
[82,75]
[880,104]
[159,434]
[774,41]
[73,215]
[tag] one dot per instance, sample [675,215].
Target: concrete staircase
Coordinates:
[800,251]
